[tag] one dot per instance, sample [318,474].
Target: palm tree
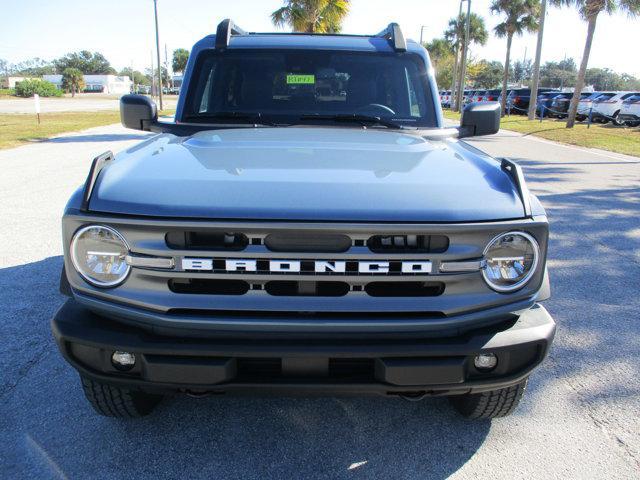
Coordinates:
[535,81]
[72,80]
[521,16]
[455,34]
[589,11]
[312,16]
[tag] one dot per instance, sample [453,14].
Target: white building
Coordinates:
[98,83]
[10,82]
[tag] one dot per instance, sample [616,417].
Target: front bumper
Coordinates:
[419,366]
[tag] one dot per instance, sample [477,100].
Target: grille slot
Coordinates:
[408,243]
[303,242]
[205,286]
[207,240]
[404,289]
[307,289]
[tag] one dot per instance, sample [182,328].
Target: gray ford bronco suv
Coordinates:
[306,223]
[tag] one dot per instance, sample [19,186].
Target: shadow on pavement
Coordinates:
[47,429]
[99,137]
[594,263]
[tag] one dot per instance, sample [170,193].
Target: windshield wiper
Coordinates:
[355,118]
[255,118]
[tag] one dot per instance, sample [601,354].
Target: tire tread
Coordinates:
[491,404]
[112,401]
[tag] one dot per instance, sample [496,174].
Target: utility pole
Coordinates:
[454,102]
[536,66]
[421,32]
[153,73]
[166,65]
[463,68]
[155,11]
[133,80]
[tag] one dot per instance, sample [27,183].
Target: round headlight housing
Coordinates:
[510,260]
[98,254]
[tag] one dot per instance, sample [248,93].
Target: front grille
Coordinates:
[298,272]
[203,286]
[408,243]
[206,240]
[313,243]
[307,289]
[404,289]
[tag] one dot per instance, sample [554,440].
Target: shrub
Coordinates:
[7,91]
[27,88]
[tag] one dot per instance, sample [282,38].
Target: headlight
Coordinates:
[98,254]
[510,261]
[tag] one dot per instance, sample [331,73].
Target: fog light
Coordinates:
[123,360]
[485,361]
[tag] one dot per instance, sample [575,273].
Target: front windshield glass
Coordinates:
[285,86]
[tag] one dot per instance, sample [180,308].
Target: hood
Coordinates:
[307,173]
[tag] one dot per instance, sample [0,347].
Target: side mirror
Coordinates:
[138,112]
[480,118]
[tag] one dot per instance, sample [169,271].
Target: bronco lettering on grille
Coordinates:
[302,266]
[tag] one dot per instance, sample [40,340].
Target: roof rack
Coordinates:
[393,33]
[226,29]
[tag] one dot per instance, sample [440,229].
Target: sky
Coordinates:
[123,30]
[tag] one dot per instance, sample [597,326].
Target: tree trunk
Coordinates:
[461,75]
[505,76]
[454,81]
[573,108]
[533,100]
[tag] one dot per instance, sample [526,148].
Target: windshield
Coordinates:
[284,87]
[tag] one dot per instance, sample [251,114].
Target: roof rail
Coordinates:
[393,33]
[226,29]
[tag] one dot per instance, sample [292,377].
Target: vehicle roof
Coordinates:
[304,41]
[308,41]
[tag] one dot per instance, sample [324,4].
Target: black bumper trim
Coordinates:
[426,365]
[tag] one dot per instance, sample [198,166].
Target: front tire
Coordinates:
[615,120]
[491,404]
[117,402]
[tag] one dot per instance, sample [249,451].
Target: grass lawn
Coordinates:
[19,128]
[607,137]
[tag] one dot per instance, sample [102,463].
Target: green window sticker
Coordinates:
[296,79]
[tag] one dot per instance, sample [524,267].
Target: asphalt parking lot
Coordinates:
[579,419]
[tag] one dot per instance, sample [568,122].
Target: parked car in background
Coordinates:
[518,99]
[561,102]
[544,101]
[586,104]
[606,108]
[445,99]
[630,111]
[493,95]
[479,96]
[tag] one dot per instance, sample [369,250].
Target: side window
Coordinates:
[624,97]
[206,92]
[415,105]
